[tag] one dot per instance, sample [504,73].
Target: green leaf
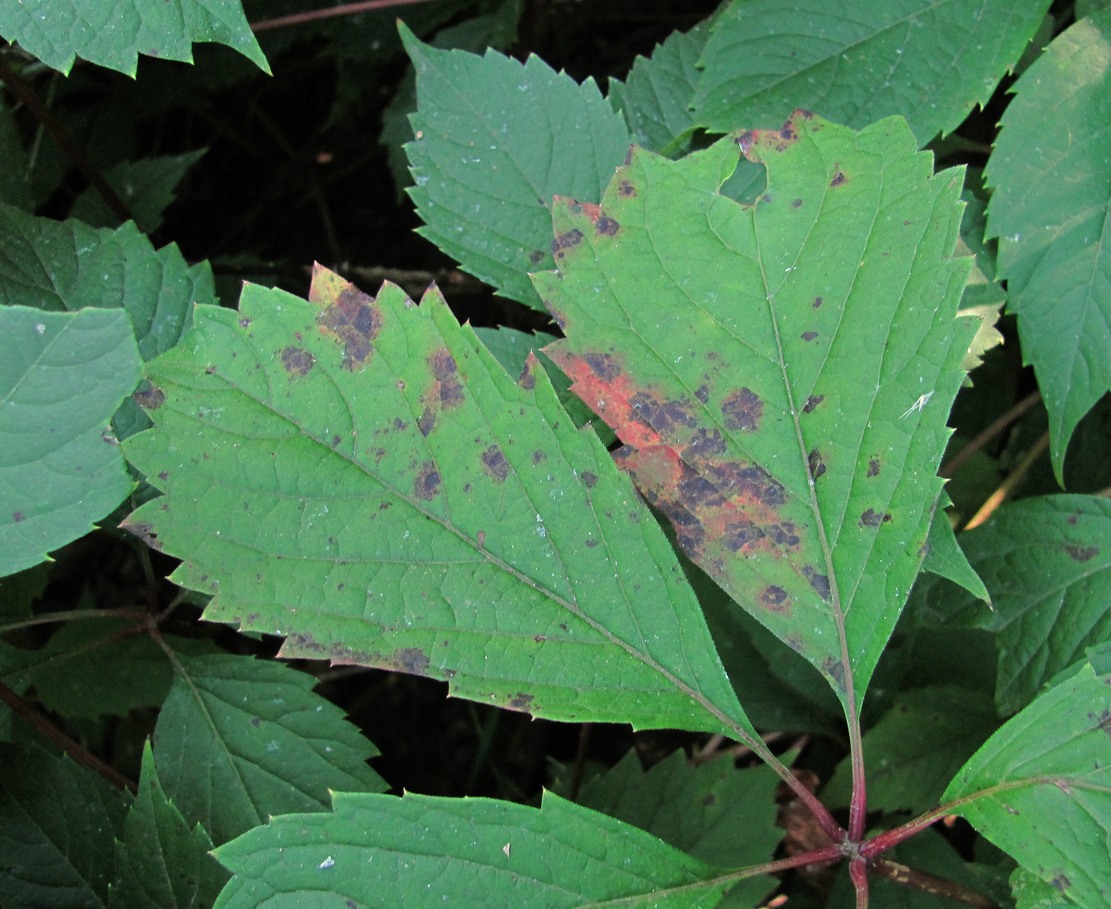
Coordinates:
[782,393]
[655,98]
[1047,563]
[1051,172]
[162,863]
[1040,788]
[57,822]
[362,477]
[715,813]
[62,376]
[146,187]
[240,739]
[15,175]
[918,744]
[114,34]
[494,141]
[946,559]
[67,266]
[380,850]
[931,61]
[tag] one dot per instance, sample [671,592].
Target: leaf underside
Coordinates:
[363,478]
[780,373]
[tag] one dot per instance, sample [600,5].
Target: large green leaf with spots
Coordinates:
[362,477]
[779,373]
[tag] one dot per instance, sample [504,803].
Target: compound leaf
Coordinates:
[240,739]
[380,850]
[362,477]
[1040,788]
[782,392]
[1051,172]
[114,34]
[57,821]
[931,61]
[162,862]
[494,141]
[62,376]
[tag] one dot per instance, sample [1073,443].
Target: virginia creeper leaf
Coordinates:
[162,862]
[1051,172]
[62,376]
[931,61]
[715,812]
[240,739]
[494,141]
[114,34]
[1040,788]
[780,373]
[381,850]
[1047,563]
[362,477]
[57,822]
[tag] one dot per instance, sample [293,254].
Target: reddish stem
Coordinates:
[347,9]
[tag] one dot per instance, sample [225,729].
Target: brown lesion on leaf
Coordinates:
[356,320]
[809,336]
[520,701]
[812,402]
[838,177]
[817,304]
[815,464]
[1082,553]
[297,361]
[1102,722]
[410,659]
[874,467]
[742,409]
[834,670]
[18,517]
[527,379]
[569,239]
[446,385]
[145,532]
[590,480]
[818,582]
[427,421]
[873,518]
[493,460]
[536,257]
[427,483]
[606,226]
[774,598]
[149,397]
[603,366]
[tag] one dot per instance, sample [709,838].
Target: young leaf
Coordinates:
[1051,171]
[1046,562]
[362,477]
[782,390]
[114,34]
[240,739]
[1040,788]
[57,823]
[380,850]
[162,863]
[931,61]
[62,376]
[495,140]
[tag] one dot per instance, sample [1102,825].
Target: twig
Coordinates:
[347,9]
[40,112]
[1001,494]
[978,442]
[75,750]
[929,883]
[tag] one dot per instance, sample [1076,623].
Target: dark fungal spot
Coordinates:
[297,361]
[163,475]
[427,422]
[1061,883]
[537,456]
[817,304]
[493,459]
[145,532]
[740,533]
[787,133]
[797,203]
[444,371]
[784,534]
[838,178]
[356,321]
[815,463]
[874,467]
[702,393]
[808,336]
[527,379]
[704,445]
[150,397]
[834,671]
[872,518]
[590,544]
[774,598]
[567,240]
[427,483]
[535,257]
[626,189]
[602,365]
[1101,722]
[742,410]
[520,701]
[606,226]
[244,323]
[812,402]
[1082,553]
[818,581]
[18,517]
[412,660]
[589,479]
